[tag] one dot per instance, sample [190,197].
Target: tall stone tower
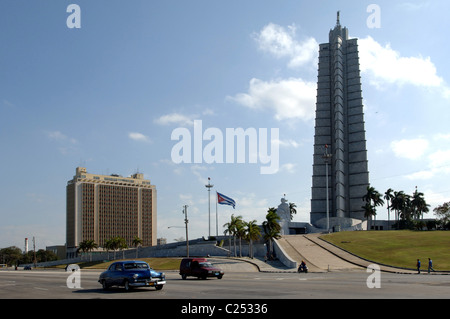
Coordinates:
[339,132]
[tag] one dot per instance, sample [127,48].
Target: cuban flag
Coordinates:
[224,200]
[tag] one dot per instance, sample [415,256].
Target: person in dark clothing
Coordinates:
[418,266]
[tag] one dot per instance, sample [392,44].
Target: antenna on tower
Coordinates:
[338,23]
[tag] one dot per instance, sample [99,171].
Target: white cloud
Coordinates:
[411,149]
[58,136]
[66,144]
[438,164]
[440,160]
[175,118]
[288,143]
[288,167]
[441,136]
[422,175]
[281,43]
[384,65]
[138,137]
[290,99]
[413,6]
[250,206]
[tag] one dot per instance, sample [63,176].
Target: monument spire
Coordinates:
[339,184]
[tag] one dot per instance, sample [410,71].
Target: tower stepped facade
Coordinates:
[339,132]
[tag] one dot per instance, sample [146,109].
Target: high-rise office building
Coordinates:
[101,207]
[339,132]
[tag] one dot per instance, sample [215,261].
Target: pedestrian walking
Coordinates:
[418,266]
[430,265]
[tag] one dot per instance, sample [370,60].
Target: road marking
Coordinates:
[7,284]
[39,288]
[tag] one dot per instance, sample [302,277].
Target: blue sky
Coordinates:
[108,95]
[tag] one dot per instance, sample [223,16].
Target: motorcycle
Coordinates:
[303,268]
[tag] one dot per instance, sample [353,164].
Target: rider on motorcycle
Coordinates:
[302,267]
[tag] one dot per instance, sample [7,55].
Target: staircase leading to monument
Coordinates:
[318,259]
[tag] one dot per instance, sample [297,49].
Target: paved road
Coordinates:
[51,284]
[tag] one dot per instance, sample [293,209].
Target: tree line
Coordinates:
[14,256]
[408,209]
[239,229]
[114,244]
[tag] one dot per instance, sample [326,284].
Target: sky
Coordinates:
[113,85]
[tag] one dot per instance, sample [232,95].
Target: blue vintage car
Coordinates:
[131,274]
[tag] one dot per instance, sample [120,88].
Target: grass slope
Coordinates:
[397,248]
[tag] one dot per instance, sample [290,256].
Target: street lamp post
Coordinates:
[327,157]
[186,221]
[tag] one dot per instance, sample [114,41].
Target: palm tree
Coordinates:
[292,210]
[369,211]
[122,244]
[116,243]
[87,246]
[252,233]
[401,203]
[419,204]
[136,243]
[240,233]
[397,203]
[111,244]
[407,208]
[232,229]
[271,227]
[108,246]
[388,196]
[372,198]
[228,231]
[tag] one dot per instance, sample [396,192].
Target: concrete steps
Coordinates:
[318,259]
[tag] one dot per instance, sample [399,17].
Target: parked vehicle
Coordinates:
[131,274]
[200,268]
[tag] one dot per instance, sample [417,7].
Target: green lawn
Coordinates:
[397,248]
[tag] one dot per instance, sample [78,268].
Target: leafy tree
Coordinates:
[43,255]
[442,212]
[10,255]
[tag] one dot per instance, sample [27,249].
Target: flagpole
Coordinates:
[209,206]
[217,219]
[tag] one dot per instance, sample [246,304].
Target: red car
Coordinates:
[200,268]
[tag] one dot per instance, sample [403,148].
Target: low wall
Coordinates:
[282,256]
[196,248]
